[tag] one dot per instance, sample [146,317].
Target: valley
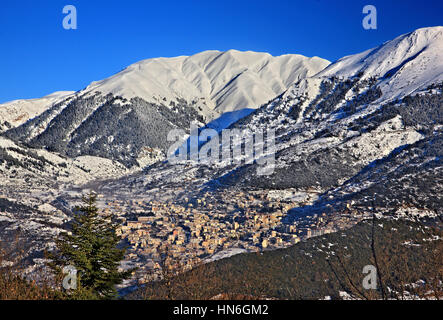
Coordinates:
[354,139]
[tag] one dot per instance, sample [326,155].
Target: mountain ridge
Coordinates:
[409,59]
[210,75]
[349,143]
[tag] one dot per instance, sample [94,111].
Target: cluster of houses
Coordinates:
[191,230]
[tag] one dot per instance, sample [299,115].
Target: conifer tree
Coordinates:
[91,247]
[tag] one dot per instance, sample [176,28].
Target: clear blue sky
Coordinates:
[38,56]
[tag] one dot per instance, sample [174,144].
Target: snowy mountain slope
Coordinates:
[403,65]
[17,112]
[121,117]
[224,81]
[368,126]
[23,167]
[411,176]
[324,152]
[341,138]
[106,126]
[31,180]
[316,155]
[331,126]
[358,84]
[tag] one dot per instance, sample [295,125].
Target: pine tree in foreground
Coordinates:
[91,247]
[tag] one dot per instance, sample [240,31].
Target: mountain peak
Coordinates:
[251,78]
[407,63]
[430,32]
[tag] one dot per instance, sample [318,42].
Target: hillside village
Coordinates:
[361,134]
[194,230]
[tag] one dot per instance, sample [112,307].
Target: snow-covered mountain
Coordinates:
[368,126]
[364,131]
[351,120]
[408,63]
[224,81]
[17,112]
[130,113]
[127,116]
